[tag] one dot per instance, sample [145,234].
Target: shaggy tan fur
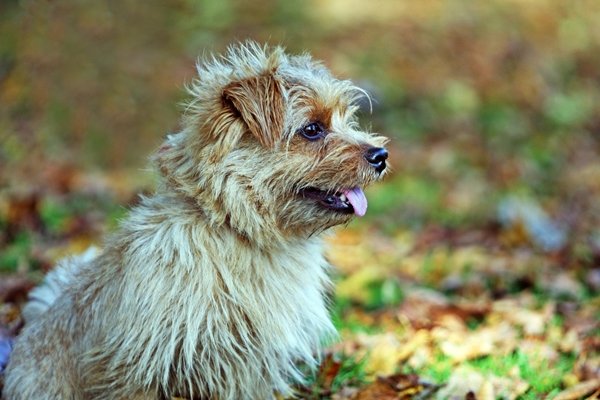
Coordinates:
[213,288]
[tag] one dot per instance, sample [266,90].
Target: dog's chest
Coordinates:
[255,320]
[202,300]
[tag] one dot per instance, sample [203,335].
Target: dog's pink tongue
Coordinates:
[357,198]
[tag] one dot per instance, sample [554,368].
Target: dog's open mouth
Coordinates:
[346,201]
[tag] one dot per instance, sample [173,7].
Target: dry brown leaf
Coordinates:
[383,353]
[346,393]
[346,255]
[377,391]
[594,396]
[425,308]
[579,390]
[396,387]
[386,351]
[418,340]
[22,212]
[14,287]
[328,371]
[562,284]
[539,352]
[466,379]
[533,322]
[422,357]
[466,345]
[587,367]
[486,391]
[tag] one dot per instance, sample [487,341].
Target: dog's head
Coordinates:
[271,146]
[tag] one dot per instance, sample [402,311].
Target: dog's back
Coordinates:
[55,282]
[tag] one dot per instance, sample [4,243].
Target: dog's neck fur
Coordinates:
[190,170]
[225,276]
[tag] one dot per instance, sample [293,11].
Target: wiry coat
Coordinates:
[214,287]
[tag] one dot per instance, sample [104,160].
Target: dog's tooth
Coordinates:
[343,197]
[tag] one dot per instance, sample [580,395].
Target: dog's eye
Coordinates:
[313,131]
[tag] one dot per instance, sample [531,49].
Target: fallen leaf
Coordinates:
[534,323]
[23,213]
[14,287]
[467,345]
[328,371]
[562,285]
[377,391]
[383,353]
[594,396]
[397,386]
[579,390]
[465,379]
[418,340]
[426,308]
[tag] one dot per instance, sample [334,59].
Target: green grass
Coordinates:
[351,373]
[55,215]
[440,370]
[15,253]
[543,379]
[383,293]
[343,320]
[542,376]
[379,293]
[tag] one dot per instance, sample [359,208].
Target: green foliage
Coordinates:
[412,197]
[569,110]
[55,215]
[344,320]
[439,370]
[543,379]
[337,371]
[352,373]
[15,253]
[543,375]
[385,293]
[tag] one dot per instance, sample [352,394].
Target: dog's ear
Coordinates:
[259,102]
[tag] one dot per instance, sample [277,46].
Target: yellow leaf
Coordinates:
[383,353]
[354,287]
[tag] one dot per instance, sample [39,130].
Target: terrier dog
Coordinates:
[214,287]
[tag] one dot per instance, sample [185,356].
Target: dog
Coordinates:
[215,286]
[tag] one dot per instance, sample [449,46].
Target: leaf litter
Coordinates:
[437,313]
[476,312]
[475,321]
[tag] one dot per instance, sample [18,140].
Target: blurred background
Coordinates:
[492,107]
[480,99]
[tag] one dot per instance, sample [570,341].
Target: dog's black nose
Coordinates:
[376,156]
